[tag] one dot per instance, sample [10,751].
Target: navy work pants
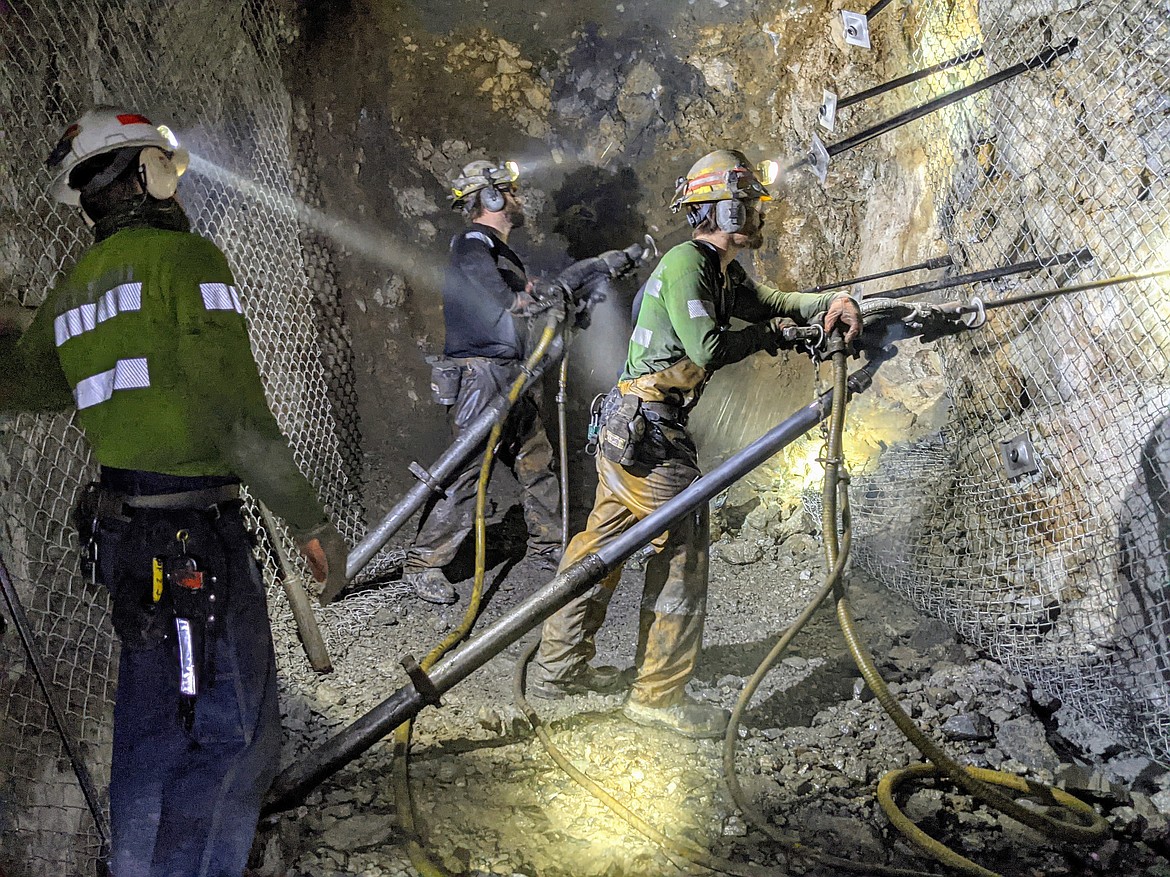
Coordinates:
[185,803]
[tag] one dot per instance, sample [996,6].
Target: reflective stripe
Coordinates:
[84,318]
[642,336]
[654,287]
[128,374]
[699,308]
[220,297]
[480,236]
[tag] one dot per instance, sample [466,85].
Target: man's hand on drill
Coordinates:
[844,311]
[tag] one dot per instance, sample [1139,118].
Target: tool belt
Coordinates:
[168,570]
[212,500]
[98,503]
[636,432]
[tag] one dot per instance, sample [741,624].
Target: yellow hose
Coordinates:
[973,782]
[423,863]
[980,783]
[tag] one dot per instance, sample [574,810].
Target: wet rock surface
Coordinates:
[811,750]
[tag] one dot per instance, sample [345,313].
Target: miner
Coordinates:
[486,294]
[682,333]
[146,337]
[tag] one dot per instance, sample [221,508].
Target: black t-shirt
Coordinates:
[479,290]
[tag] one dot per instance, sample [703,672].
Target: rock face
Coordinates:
[1058,571]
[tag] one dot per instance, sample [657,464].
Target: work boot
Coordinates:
[588,680]
[431,585]
[686,716]
[545,559]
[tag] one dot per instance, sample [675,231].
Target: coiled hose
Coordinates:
[980,783]
[422,861]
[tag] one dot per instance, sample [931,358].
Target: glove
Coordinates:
[538,297]
[543,290]
[773,335]
[326,552]
[844,311]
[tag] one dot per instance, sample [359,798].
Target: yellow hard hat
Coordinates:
[720,176]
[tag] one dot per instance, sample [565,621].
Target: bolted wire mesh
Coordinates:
[212,71]
[1061,574]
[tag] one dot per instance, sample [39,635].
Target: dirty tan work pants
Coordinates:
[524,447]
[674,597]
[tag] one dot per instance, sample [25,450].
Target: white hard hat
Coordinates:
[101,130]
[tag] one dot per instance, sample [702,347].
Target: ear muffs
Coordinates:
[730,215]
[158,173]
[491,198]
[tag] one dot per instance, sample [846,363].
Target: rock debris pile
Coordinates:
[812,748]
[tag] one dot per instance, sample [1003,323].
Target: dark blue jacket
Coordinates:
[479,291]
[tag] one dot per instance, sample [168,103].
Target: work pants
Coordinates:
[674,597]
[524,447]
[185,803]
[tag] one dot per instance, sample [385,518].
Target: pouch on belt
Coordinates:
[624,431]
[446,377]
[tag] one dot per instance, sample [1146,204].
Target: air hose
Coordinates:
[563,445]
[978,782]
[422,861]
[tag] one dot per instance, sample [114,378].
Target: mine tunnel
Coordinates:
[944,541]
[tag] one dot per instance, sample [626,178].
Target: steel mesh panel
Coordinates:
[1060,574]
[212,70]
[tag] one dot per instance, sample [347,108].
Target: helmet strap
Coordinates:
[122,160]
[698,214]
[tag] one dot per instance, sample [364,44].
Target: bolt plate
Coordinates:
[1019,456]
[856,29]
[827,115]
[818,159]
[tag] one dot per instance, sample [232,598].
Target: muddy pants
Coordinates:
[524,447]
[674,597]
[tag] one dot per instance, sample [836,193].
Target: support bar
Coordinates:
[24,629]
[928,265]
[1040,61]
[883,87]
[1082,257]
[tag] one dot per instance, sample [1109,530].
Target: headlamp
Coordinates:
[169,136]
[767,171]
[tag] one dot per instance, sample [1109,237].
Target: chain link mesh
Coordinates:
[1061,574]
[212,71]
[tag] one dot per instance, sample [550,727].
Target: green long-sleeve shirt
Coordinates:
[146,336]
[682,332]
